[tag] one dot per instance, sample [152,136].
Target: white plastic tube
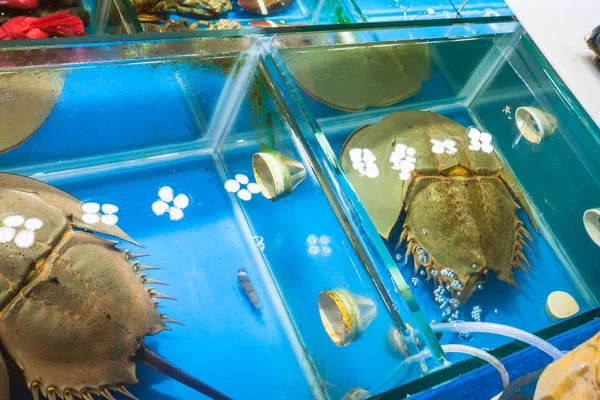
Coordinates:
[503,330]
[475,352]
[448,348]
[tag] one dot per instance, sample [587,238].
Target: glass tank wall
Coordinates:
[161,139]
[419,123]
[271,179]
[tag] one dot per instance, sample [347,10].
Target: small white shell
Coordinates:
[175,214]
[231,185]
[358,165]
[166,194]
[474,134]
[401,148]
[181,201]
[485,138]
[312,239]
[475,146]
[159,207]
[369,157]
[254,188]
[437,149]
[372,171]
[241,178]
[449,143]
[33,224]
[110,219]
[90,219]
[487,148]
[7,234]
[109,209]
[14,221]
[25,239]
[90,208]
[356,155]
[244,194]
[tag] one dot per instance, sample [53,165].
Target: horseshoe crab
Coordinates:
[74,309]
[456,210]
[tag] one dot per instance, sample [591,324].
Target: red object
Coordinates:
[58,24]
[22,4]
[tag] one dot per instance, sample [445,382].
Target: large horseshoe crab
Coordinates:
[455,204]
[74,309]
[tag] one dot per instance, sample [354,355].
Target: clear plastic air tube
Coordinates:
[503,330]
[448,348]
[475,352]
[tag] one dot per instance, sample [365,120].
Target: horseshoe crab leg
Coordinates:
[154,361]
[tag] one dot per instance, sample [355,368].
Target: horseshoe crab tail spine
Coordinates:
[152,360]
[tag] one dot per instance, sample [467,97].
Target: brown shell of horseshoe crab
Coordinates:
[74,309]
[457,211]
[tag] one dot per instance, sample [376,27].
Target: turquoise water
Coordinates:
[472,82]
[121,130]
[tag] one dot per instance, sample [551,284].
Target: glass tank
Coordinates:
[317,202]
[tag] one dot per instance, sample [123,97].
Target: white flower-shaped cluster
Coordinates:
[169,203]
[91,213]
[24,238]
[363,160]
[447,146]
[403,159]
[480,141]
[235,186]
[318,245]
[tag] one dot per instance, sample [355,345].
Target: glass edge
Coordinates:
[356,222]
[246,32]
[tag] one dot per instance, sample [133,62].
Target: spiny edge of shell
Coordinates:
[53,393]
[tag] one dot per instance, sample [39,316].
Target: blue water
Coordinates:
[144,105]
[112,139]
[558,266]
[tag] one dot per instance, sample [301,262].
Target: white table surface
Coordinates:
[558,27]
